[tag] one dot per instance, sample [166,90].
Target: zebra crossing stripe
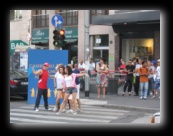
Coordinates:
[59,117]
[85,107]
[33,121]
[66,114]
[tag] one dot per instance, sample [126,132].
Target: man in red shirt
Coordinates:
[42,86]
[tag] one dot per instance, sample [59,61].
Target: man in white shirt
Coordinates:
[81,65]
[91,67]
[157,79]
[136,85]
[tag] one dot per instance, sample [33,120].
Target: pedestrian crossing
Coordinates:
[89,114]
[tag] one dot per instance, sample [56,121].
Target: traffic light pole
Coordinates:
[86,51]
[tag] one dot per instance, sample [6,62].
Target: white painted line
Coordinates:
[87,108]
[105,116]
[33,121]
[59,117]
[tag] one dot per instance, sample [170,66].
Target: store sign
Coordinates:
[40,35]
[14,43]
[71,32]
[36,59]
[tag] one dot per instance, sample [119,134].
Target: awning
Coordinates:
[14,43]
[40,36]
[40,41]
[140,17]
[70,40]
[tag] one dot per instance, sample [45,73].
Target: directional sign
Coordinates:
[57,20]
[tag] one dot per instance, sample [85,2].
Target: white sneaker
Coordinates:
[153,96]
[141,97]
[74,113]
[69,111]
[59,112]
[80,110]
[49,109]
[36,109]
[145,98]
[55,109]
[63,110]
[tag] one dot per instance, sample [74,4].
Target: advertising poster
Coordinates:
[24,61]
[36,59]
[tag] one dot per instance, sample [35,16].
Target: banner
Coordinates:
[37,58]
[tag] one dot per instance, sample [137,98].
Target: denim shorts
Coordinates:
[71,90]
[157,84]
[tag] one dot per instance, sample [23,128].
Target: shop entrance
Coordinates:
[101,53]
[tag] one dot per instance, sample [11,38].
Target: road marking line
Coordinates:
[88,108]
[34,121]
[68,114]
[59,117]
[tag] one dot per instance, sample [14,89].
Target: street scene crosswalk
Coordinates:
[89,114]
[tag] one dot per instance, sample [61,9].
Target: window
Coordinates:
[70,17]
[101,40]
[15,14]
[41,19]
[97,13]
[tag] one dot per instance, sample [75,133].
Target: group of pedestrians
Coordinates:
[143,75]
[66,82]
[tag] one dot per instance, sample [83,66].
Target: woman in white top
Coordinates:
[58,78]
[69,85]
[136,85]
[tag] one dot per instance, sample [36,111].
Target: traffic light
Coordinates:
[59,37]
[62,36]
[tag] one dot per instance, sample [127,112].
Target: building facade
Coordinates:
[104,39]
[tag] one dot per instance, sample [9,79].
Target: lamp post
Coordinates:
[86,51]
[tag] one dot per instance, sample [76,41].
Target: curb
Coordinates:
[124,107]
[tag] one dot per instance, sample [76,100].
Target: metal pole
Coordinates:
[86,50]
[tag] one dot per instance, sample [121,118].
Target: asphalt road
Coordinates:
[21,112]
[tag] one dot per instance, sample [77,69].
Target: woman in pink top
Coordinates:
[69,85]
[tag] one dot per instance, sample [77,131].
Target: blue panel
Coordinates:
[37,58]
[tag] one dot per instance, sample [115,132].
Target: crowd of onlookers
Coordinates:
[143,75]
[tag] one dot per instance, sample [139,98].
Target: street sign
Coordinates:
[57,20]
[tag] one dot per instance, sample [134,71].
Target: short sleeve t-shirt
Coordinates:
[151,70]
[59,79]
[158,72]
[131,68]
[76,71]
[137,67]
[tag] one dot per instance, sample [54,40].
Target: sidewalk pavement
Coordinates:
[122,102]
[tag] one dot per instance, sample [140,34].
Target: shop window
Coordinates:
[15,14]
[101,40]
[138,48]
[70,17]
[41,19]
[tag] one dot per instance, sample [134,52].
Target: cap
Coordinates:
[46,64]
[153,61]
[158,60]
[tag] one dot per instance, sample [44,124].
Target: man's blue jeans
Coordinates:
[144,89]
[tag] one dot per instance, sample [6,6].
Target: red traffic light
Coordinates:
[62,32]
